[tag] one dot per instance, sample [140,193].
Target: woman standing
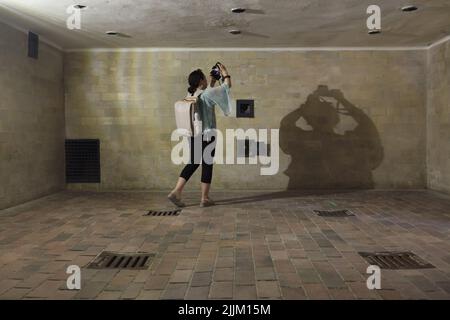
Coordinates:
[208,98]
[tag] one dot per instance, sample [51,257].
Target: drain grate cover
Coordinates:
[395,260]
[333,213]
[163,213]
[112,260]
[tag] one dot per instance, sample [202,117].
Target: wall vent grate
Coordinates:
[82,161]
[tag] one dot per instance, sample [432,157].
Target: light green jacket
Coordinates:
[209,98]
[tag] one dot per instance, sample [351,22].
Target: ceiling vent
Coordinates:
[409,8]
[234,31]
[238,10]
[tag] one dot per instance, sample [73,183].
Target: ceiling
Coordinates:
[205,23]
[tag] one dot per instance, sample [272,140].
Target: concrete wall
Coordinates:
[126,99]
[31,120]
[438,115]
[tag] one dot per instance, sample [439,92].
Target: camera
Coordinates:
[322,91]
[215,72]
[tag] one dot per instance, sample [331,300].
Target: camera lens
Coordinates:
[215,72]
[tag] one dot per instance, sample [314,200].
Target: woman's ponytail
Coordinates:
[195,77]
[191,90]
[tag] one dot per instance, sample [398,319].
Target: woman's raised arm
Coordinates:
[225,74]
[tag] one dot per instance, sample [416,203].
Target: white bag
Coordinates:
[187,116]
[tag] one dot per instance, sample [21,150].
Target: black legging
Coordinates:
[190,168]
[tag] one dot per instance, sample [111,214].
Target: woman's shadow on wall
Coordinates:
[322,160]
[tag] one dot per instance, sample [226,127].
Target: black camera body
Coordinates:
[215,72]
[322,90]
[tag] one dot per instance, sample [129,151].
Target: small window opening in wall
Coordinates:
[33,45]
[245,108]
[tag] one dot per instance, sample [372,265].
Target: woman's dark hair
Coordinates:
[194,80]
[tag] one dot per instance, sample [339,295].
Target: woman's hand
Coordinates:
[224,73]
[223,70]
[337,94]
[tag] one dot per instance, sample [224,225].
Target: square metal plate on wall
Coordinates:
[245,108]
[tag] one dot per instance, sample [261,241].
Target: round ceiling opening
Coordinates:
[409,8]
[235,31]
[238,10]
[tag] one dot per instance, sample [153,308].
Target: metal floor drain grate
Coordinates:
[112,260]
[395,260]
[333,213]
[163,213]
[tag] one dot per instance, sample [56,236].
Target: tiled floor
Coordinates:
[250,246]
